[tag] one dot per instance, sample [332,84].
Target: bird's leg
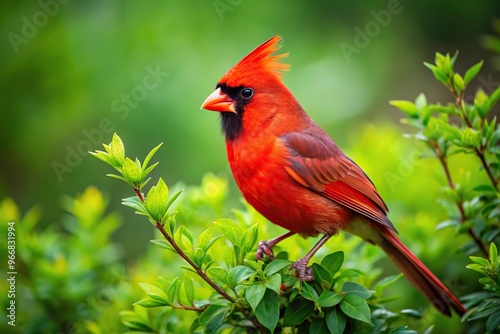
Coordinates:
[266,247]
[302,271]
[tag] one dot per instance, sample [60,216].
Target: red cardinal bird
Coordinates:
[295,175]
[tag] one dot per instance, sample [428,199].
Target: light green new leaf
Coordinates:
[187,284]
[218,273]
[149,303]
[156,200]
[230,230]
[406,106]
[150,155]
[154,292]
[117,150]
[472,72]
[131,172]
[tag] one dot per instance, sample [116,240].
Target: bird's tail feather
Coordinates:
[418,274]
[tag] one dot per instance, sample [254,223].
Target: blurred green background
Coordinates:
[73,73]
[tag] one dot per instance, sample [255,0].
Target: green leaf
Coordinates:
[458,82]
[333,262]
[172,199]
[273,282]
[131,171]
[329,299]
[494,97]
[335,320]
[213,318]
[493,253]
[172,290]
[318,326]
[154,292]
[249,239]
[204,239]
[135,203]
[386,282]
[218,273]
[149,156]
[421,101]
[156,200]
[493,323]
[163,244]
[276,266]
[149,303]
[479,260]
[298,311]
[254,294]
[308,292]
[238,274]
[407,107]
[117,150]
[322,276]
[230,230]
[188,290]
[135,321]
[472,72]
[482,103]
[106,157]
[351,287]
[268,310]
[356,307]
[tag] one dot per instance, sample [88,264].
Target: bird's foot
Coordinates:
[302,270]
[265,247]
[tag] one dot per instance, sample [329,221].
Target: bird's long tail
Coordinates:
[418,274]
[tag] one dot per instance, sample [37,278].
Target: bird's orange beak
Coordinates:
[218,101]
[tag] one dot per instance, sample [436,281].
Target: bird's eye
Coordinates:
[246,93]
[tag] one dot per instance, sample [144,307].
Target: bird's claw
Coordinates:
[264,247]
[302,270]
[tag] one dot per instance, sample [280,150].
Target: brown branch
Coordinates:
[193,265]
[480,154]
[460,206]
[189,308]
[139,194]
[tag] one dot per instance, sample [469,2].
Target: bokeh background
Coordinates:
[74,72]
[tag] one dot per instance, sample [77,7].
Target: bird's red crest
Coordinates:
[260,61]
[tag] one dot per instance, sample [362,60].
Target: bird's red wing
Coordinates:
[321,166]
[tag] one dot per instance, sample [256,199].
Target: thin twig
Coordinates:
[192,264]
[463,217]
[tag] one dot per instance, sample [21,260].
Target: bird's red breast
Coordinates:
[285,165]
